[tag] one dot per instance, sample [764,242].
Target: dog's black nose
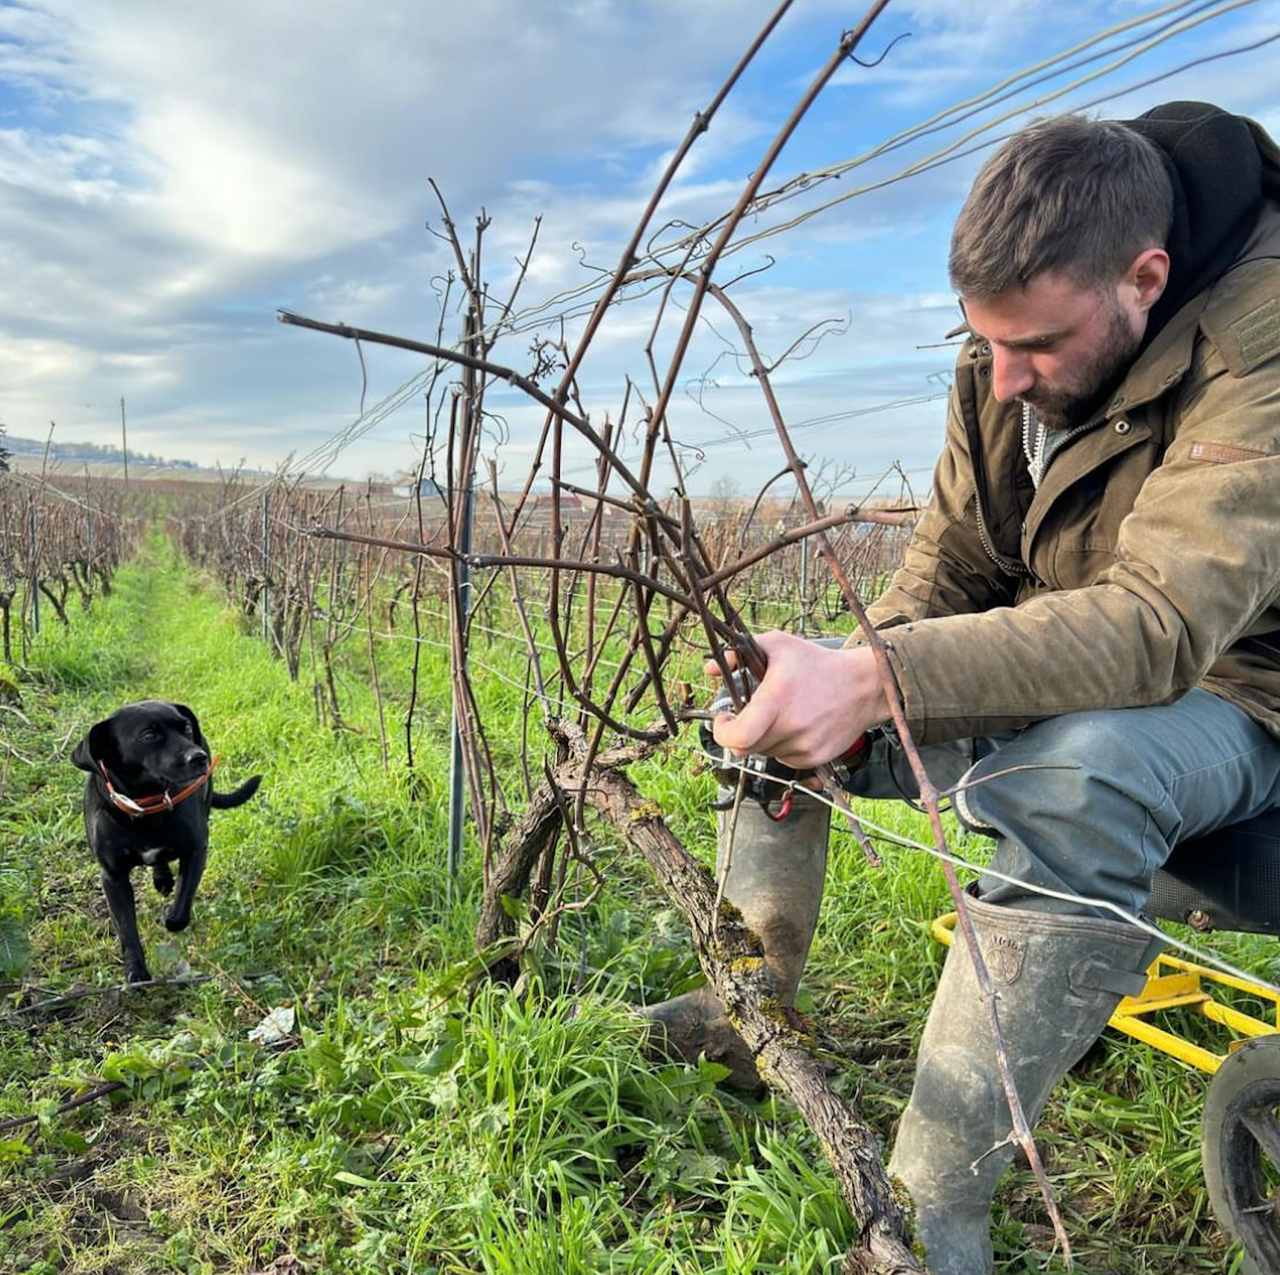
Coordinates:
[196,757]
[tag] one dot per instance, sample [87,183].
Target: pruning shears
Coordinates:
[763,779]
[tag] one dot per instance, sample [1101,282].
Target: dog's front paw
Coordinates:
[137,974]
[162,878]
[176,921]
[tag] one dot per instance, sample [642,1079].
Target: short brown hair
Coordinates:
[1070,194]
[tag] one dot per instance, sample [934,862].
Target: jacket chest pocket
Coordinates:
[1075,542]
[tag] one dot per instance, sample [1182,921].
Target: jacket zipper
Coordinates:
[1008,565]
[1065,439]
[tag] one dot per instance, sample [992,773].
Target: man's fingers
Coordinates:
[712,667]
[745,733]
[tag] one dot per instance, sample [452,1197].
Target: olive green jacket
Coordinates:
[1148,561]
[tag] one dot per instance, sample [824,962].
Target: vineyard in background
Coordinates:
[59,548]
[330,608]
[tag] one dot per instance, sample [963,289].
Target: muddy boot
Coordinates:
[1057,980]
[775,881]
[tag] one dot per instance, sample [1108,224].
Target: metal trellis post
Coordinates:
[457,764]
[804,582]
[35,569]
[266,567]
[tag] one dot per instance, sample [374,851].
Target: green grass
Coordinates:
[406,1128]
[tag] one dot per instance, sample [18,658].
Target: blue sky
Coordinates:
[171,174]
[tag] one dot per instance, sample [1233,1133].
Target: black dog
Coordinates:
[147,801]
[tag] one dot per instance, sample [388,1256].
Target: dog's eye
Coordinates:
[149,732]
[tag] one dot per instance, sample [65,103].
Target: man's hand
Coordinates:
[812,704]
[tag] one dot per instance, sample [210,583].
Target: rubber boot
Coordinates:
[775,881]
[1057,980]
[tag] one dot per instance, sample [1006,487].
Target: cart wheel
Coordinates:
[1240,1146]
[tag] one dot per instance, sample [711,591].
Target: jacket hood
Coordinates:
[1221,167]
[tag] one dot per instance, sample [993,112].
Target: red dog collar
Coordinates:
[157,803]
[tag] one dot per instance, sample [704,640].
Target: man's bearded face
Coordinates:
[1059,347]
[1085,387]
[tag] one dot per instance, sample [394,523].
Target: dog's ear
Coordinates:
[195,724]
[94,747]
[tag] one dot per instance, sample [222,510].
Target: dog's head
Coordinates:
[150,744]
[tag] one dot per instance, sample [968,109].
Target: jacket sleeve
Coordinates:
[945,570]
[1196,566]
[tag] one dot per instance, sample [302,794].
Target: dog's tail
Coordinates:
[226,800]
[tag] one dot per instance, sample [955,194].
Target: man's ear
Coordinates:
[195,725]
[94,747]
[1147,277]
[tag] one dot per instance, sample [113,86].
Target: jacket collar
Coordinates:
[1166,360]
[1163,363]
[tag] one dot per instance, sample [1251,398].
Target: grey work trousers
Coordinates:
[1091,804]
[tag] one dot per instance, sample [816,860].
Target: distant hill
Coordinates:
[93,453]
